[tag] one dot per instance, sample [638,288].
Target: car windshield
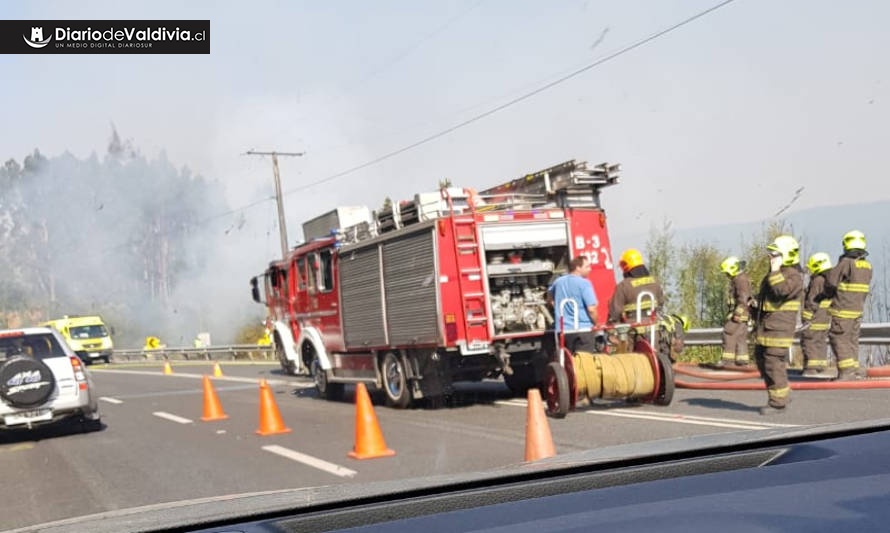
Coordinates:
[654,223]
[88,332]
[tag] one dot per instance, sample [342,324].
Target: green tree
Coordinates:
[701,286]
[660,253]
[114,235]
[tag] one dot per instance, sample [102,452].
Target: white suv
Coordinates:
[43,381]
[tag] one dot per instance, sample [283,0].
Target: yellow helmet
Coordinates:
[631,258]
[683,320]
[731,266]
[787,247]
[818,263]
[854,240]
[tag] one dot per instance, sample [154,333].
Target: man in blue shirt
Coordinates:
[575,286]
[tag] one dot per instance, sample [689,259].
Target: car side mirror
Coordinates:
[255,290]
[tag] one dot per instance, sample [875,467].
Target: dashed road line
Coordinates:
[739,424]
[188,392]
[668,417]
[110,400]
[173,418]
[271,382]
[308,460]
[702,418]
[17,447]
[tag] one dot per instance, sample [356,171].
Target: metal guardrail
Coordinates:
[210,353]
[875,334]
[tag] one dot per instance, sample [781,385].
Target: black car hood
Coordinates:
[206,512]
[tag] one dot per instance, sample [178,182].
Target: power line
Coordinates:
[411,49]
[471,120]
[514,101]
[393,60]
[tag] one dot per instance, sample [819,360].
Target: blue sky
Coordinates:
[718,122]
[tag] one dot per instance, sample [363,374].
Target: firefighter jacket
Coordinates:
[740,297]
[781,293]
[623,305]
[815,304]
[847,284]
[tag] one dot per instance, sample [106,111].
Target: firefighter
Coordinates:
[623,305]
[781,293]
[735,330]
[847,284]
[672,335]
[815,317]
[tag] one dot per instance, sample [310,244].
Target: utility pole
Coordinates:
[282,228]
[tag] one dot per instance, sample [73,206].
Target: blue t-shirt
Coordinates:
[575,288]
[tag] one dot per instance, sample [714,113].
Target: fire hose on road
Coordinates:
[718,380]
[874,334]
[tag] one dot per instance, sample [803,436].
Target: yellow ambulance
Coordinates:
[86,335]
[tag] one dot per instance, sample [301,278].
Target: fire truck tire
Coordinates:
[287,366]
[556,389]
[665,382]
[332,392]
[395,381]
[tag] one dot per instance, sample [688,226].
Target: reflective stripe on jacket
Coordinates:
[781,295]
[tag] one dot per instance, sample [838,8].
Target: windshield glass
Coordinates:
[651,222]
[88,332]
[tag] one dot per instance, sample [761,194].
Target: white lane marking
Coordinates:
[670,417]
[740,425]
[110,400]
[186,392]
[174,418]
[314,462]
[703,418]
[514,403]
[272,382]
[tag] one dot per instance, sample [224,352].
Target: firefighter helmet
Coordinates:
[787,247]
[818,263]
[683,320]
[731,266]
[631,258]
[854,240]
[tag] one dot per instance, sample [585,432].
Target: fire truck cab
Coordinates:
[449,286]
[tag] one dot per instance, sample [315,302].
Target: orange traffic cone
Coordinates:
[217,371]
[212,408]
[538,442]
[270,417]
[168,370]
[369,441]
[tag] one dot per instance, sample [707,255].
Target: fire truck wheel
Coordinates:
[556,389]
[327,391]
[395,381]
[666,382]
[288,367]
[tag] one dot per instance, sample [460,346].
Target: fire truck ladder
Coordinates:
[470,279]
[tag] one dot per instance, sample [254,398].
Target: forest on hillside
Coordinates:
[118,234]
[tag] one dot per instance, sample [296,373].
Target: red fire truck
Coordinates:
[449,286]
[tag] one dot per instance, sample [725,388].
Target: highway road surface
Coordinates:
[154,447]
